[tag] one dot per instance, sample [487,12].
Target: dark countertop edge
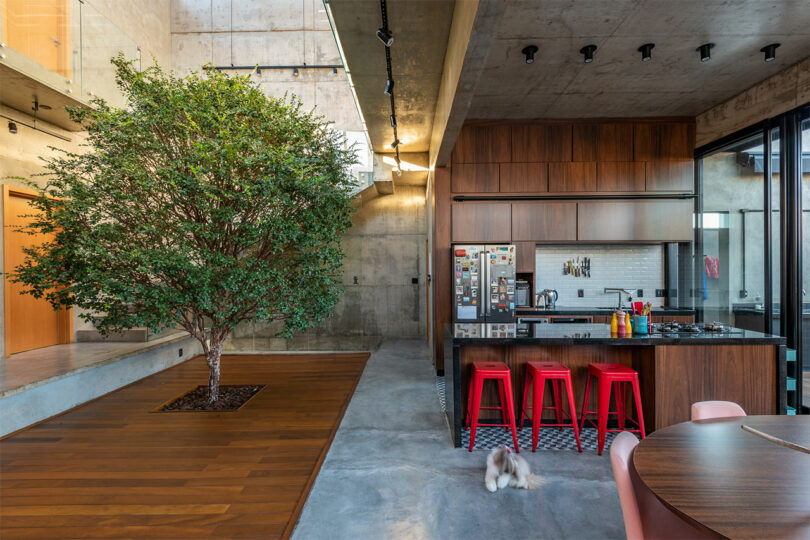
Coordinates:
[624,342]
[522,312]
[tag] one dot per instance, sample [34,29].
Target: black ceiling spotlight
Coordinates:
[393,120]
[646,51]
[385,36]
[770,51]
[705,51]
[395,143]
[389,87]
[529,51]
[12,127]
[587,52]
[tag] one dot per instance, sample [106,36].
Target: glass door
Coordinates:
[804,278]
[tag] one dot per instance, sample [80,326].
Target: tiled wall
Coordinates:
[630,267]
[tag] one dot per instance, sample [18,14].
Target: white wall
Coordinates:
[630,267]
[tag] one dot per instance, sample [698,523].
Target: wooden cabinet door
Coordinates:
[663,140]
[615,142]
[671,176]
[644,221]
[620,176]
[584,142]
[532,143]
[483,144]
[524,177]
[544,221]
[475,178]
[524,257]
[572,176]
[482,222]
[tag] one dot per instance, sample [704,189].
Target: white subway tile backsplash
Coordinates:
[630,267]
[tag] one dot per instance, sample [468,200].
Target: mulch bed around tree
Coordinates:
[231,398]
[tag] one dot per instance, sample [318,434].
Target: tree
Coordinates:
[204,203]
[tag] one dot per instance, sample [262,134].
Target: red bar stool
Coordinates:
[615,375]
[499,372]
[537,373]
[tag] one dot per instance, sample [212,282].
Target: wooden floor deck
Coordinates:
[114,469]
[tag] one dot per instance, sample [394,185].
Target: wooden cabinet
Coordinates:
[671,176]
[663,140]
[544,221]
[481,222]
[584,142]
[483,144]
[533,143]
[572,176]
[475,178]
[620,176]
[524,177]
[639,221]
[615,142]
[524,257]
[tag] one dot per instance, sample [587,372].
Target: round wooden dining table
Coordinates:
[729,481]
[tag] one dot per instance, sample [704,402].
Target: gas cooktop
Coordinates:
[691,328]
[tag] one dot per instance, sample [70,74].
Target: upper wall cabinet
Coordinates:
[483,144]
[572,176]
[482,222]
[524,177]
[671,175]
[475,178]
[602,142]
[541,143]
[635,221]
[664,140]
[620,176]
[544,221]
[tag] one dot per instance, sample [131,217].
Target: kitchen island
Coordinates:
[675,369]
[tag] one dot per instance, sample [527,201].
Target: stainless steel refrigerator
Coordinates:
[484,283]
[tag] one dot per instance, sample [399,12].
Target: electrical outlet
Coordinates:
[180,353]
[639,293]
[660,293]
[581,293]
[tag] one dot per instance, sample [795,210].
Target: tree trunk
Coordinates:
[212,357]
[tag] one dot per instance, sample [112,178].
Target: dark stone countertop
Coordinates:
[596,334]
[564,310]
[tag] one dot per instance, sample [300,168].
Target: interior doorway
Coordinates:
[30,323]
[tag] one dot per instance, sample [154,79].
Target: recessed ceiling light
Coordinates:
[646,51]
[587,52]
[705,51]
[385,36]
[529,51]
[770,51]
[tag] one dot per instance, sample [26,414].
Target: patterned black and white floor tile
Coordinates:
[487,438]
[440,390]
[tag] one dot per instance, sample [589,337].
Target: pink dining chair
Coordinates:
[704,410]
[644,515]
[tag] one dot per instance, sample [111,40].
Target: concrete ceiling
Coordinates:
[560,85]
[420,29]
[19,92]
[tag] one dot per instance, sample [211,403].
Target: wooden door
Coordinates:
[40,30]
[31,323]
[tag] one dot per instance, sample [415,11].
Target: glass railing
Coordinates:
[65,44]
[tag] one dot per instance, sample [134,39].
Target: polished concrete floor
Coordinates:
[392,472]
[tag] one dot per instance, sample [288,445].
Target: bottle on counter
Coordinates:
[620,322]
[614,324]
[628,326]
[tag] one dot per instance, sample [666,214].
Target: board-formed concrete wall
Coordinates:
[385,249]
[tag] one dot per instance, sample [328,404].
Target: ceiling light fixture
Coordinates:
[705,51]
[646,51]
[385,36]
[389,87]
[12,127]
[587,51]
[393,120]
[770,51]
[529,51]
[395,143]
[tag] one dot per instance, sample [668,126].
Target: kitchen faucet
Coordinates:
[620,291]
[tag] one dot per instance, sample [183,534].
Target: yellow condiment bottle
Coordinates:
[628,327]
[614,324]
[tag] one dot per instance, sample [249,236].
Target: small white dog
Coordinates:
[505,468]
